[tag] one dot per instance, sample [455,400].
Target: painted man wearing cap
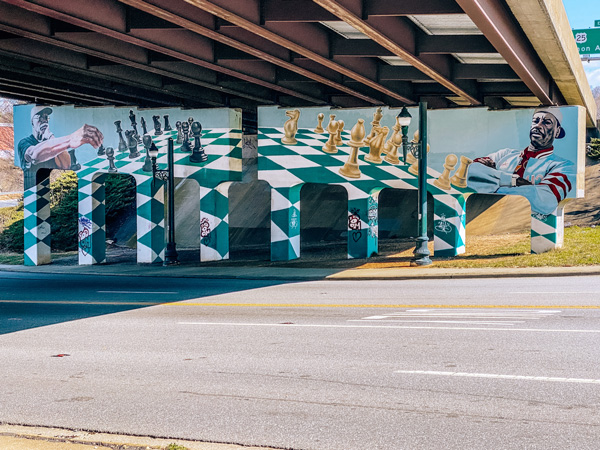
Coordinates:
[41,150]
[535,172]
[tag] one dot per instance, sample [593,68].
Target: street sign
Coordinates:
[588,40]
[597,23]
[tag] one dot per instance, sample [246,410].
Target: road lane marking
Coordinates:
[386,327]
[498,376]
[370,305]
[473,322]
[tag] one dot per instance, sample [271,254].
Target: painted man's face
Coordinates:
[544,129]
[40,125]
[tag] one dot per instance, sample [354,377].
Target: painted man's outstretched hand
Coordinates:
[87,134]
[486,161]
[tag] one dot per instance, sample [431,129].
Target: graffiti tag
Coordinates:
[85,235]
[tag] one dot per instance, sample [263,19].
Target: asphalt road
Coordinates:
[431,364]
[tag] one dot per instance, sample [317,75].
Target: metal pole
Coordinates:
[171,251]
[421,251]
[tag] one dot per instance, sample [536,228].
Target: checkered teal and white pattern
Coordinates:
[547,232]
[285,223]
[449,224]
[214,222]
[36,208]
[92,219]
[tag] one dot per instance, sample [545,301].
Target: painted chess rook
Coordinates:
[144,129]
[147,140]
[167,124]
[198,154]
[157,130]
[185,129]
[374,125]
[319,129]
[395,142]
[75,166]
[443,181]
[132,144]
[110,155]
[338,136]
[134,126]
[459,179]
[357,135]
[101,150]
[122,145]
[376,145]
[290,127]
[332,128]
[179,132]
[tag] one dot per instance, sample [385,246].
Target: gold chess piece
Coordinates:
[459,179]
[443,181]
[332,128]
[414,168]
[357,134]
[388,145]
[375,124]
[290,127]
[319,129]
[410,158]
[338,137]
[376,144]
[395,141]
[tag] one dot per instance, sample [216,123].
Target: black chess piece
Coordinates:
[147,140]
[157,130]
[132,144]
[134,126]
[101,150]
[185,147]
[110,155]
[198,155]
[190,122]
[122,144]
[179,132]
[74,164]
[144,129]
[167,124]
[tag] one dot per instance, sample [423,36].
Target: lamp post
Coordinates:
[168,176]
[404,120]
[421,252]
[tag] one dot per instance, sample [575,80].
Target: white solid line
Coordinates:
[388,327]
[499,376]
[475,322]
[136,292]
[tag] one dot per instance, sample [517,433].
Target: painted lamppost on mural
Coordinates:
[421,252]
[404,119]
[168,176]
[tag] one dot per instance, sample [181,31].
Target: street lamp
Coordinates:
[404,120]
[167,175]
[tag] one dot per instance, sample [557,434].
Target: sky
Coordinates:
[582,14]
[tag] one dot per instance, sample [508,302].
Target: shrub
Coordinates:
[593,149]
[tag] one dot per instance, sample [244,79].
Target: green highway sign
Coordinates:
[597,23]
[588,40]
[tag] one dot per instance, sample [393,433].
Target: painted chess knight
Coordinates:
[42,150]
[535,172]
[290,127]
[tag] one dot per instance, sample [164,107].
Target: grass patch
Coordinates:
[13,259]
[176,447]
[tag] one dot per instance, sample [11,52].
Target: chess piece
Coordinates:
[167,124]
[395,142]
[74,164]
[443,181]
[459,179]
[101,150]
[157,130]
[375,124]
[376,145]
[179,132]
[185,147]
[132,144]
[338,137]
[332,128]
[134,126]
[110,155]
[190,122]
[388,145]
[122,144]
[414,168]
[290,127]
[147,140]
[357,135]
[198,155]
[319,129]
[144,129]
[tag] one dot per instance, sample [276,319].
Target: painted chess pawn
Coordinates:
[110,156]
[319,129]
[376,145]
[198,155]
[395,141]
[179,132]
[185,129]
[290,127]
[147,141]
[332,128]
[443,181]
[459,179]
[357,135]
